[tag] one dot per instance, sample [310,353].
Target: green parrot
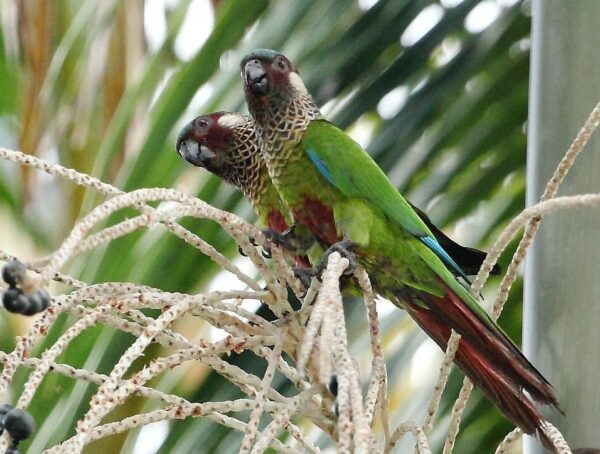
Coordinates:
[225,144]
[333,187]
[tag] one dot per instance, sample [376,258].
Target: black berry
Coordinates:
[45,299]
[35,303]
[14,300]
[3,410]
[19,424]
[13,272]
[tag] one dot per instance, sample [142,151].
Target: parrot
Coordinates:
[225,144]
[331,185]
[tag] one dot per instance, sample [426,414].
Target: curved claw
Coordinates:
[289,241]
[342,247]
[266,252]
[351,268]
[332,386]
[304,275]
[252,242]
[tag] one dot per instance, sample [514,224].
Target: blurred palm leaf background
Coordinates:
[436,91]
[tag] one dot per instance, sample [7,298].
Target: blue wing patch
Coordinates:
[429,241]
[318,162]
[432,244]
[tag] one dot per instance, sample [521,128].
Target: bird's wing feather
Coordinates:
[350,169]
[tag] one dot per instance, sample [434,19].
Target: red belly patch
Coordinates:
[277,221]
[319,219]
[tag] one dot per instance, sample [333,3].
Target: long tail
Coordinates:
[487,356]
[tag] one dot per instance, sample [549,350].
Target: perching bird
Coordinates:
[333,187]
[225,144]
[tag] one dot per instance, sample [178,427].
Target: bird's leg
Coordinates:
[289,240]
[304,275]
[343,248]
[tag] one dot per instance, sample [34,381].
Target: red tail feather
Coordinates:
[490,341]
[486,360]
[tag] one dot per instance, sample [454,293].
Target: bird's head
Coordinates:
[208,141]
[267,72]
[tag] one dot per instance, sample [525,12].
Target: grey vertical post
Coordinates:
[562,272]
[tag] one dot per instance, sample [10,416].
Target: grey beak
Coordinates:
[256,77]
[194,153]
[183,134]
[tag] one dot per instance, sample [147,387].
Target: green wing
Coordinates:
[352,171]
[349,168]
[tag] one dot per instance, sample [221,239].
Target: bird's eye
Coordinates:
[202,123]
[281,64]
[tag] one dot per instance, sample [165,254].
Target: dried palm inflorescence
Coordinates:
[315,335]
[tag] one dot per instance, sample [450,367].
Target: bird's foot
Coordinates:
[289,240]
[343,248]
[304,275]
